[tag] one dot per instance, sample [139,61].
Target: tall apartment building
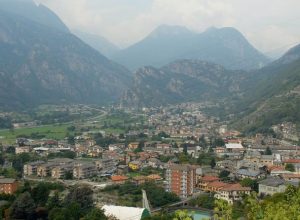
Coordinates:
[181,179]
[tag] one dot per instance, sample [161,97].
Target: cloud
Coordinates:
[267,24]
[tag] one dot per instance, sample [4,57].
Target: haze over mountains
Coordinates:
[99,43]
[37,13]
[42,62]
[224,46]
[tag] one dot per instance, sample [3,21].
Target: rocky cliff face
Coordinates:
[181,81]
[45,65]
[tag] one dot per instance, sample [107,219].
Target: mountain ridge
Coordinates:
[224,46]
[50,66]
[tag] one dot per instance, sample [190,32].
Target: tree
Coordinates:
[83,195]
[224,174]
[40,194]
[212,163]
[202,141]
[290,167]
[59,214]
[69,175]
[95,214]
[204,201]
[247,182]
[23,207]
[185,149]
[223,210]
[182,215]
[53,201]
[71,139]
[268,151]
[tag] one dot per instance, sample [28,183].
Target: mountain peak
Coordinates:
[169,30]
[38,13]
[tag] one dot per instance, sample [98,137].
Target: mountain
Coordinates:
[40,65]
[37,13]
[272,94]
[224,46]
[99,43]
[290,56]
[181,81]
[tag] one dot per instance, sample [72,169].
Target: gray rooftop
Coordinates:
[7,180]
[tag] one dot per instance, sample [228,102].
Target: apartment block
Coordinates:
[181,179]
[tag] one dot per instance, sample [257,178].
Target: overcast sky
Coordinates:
[267,24]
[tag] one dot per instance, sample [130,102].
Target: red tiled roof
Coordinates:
[292,161]
[276,168]
[119,178]
[235,187]
[287,176]
[217,184]
[209,178]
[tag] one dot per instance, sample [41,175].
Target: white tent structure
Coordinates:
[125,213]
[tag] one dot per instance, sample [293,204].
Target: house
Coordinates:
[291,177]
[8,185]
[155,163]
[138,180]
[234,147]
[252,174]
[226,164]
[205,180]
[134,165]
[232,193]
[122,169]
[163,146]
[20,150]
[118,179]
[133,145]
[154,177]
[271,185]
[215,186]
[291,161]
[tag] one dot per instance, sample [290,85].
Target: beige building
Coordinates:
[232,192]
[82,171]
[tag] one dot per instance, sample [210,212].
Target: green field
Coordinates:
[50,132]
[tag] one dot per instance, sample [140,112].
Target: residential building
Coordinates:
[252,174]
[44,169]
[118,179]
[8,185]
[232,192]
[30,169]
[134,165]
[271,185]
[133,145]
[84,170]
[204,181]
[20,150]
[61,171]
[181,179]
[138,180]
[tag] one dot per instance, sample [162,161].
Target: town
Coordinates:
[131,159]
